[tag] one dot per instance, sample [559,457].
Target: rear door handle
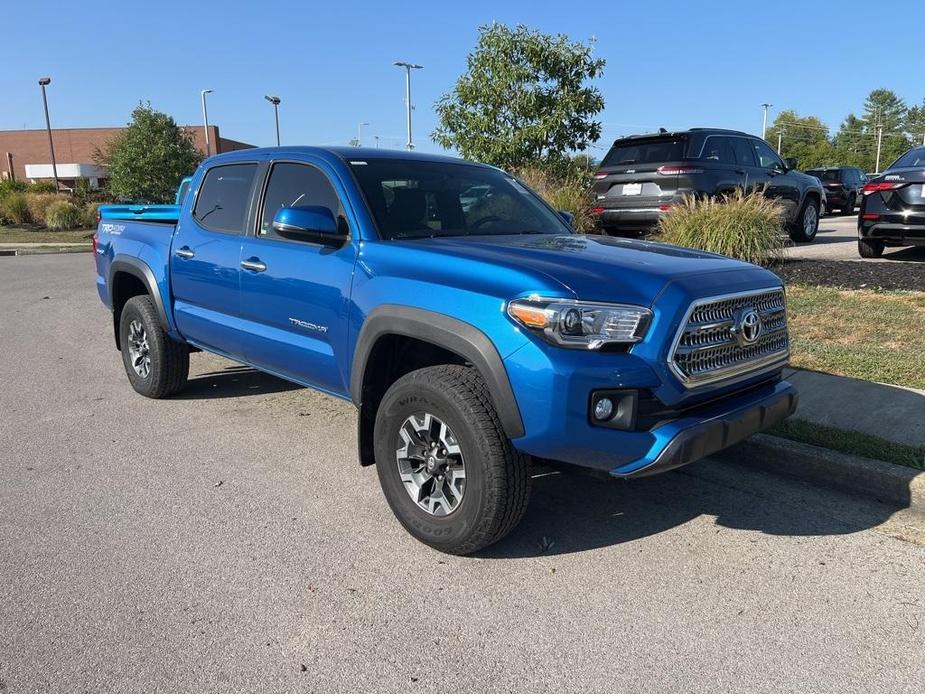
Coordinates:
[254,265]
[186,253]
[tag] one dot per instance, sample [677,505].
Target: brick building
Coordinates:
[24,154]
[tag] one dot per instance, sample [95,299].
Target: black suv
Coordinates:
[893,206]
[843,185]
[644,175]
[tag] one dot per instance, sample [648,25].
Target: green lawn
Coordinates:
[871,335]
[20,235]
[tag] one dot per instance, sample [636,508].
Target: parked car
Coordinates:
[470,343]
[843,186]
[893,206]
[642,176]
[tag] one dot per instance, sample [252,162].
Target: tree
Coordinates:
[915,123]
[854,145]
[147,160]
[884,108]
[805,138]
[524,100]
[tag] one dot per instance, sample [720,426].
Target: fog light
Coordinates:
[603,408]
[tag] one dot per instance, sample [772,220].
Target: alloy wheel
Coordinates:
[430,464]
[138,348]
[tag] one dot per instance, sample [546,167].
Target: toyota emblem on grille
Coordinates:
[747,327]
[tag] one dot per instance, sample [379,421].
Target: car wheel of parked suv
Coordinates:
[870,248]
[156,365]
[849,207]
[447,469]
[807,222]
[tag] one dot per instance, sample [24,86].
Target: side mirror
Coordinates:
[791,163]
[306,223]
[568,217]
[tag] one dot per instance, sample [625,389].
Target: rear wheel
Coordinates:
[806,225]
[849,206]
[870,248]
[156,365]
[448,471]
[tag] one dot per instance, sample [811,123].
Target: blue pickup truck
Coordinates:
[473,336]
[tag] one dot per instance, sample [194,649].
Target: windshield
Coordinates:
[655,150]
[828,175]
[914,157]
[421,199]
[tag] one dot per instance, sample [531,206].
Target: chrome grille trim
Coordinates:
[705,349]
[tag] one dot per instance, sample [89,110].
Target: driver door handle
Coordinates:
[185,252]
[254,265]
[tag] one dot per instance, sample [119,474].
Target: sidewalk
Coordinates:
[891,412]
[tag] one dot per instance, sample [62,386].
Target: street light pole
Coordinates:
[764,123]
[360,133]
[205,119]
[275,101]
[44,82]
[376,138]
[780,138]
[408,68]
[879,143]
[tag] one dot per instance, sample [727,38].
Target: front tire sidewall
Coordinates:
[442,532]
[799,233]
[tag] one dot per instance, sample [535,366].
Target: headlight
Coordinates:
[581,324]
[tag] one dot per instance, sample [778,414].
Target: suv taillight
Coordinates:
[880,187]
[675,170]
[600,174]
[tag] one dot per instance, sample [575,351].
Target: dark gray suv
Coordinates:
[644,175]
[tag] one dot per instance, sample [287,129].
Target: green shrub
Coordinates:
[42,187]
[16,208]
[7,187]
[569,195]
[88,214]
[747,227]
[40,202]
[62,214]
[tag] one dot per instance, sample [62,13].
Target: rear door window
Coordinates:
[718,149]
[744,155]
[224,197]
[654,150]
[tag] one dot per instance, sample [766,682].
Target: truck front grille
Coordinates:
[726,336]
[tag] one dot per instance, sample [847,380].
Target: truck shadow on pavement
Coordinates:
[573,512]
[232,382]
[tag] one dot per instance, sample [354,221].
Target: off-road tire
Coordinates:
[497,483]
[169,367]
[870,248]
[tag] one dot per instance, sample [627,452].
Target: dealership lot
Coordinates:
[227,540]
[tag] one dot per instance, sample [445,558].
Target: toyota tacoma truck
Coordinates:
[474,334]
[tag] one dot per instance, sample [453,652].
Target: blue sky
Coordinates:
[671,64]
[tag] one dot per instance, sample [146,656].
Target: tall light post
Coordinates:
[275,101]
[205,119]
[360,133]
[44,82]
[764,123]
[879,143]
[376,138]
[408,68]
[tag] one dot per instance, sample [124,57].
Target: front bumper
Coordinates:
[686,440]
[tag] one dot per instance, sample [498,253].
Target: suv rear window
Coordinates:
[826,175]
[646,151]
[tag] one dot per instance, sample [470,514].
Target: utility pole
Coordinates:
[44,82]
[275,100]
[408,68]
[764,123]
[780,138]
[205,119]
[879,143]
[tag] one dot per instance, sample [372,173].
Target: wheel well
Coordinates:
[392,357]
[125,285]
[815,196]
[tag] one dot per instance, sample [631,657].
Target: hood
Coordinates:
[604,268]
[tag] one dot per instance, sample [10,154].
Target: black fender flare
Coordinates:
[443,331]
[139,269]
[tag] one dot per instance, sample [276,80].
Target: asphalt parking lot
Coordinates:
[227,540]
[837,240]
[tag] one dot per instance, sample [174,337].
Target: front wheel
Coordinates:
[806,225]
[156,365]
[448,471]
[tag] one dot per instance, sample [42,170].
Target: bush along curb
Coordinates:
[885,482]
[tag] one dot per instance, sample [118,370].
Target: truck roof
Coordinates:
[344,153]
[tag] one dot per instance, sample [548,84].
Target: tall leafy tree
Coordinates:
[915,124]
[147,160]
[525,100]
[805,138]
[885,109]
[854,144]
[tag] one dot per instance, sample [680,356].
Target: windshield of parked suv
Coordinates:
[645,151]
[826,175]
[421,199]
[914,157]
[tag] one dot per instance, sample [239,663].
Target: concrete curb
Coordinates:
[42,250]
[885,482]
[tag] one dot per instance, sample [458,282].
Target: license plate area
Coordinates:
[632,188]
